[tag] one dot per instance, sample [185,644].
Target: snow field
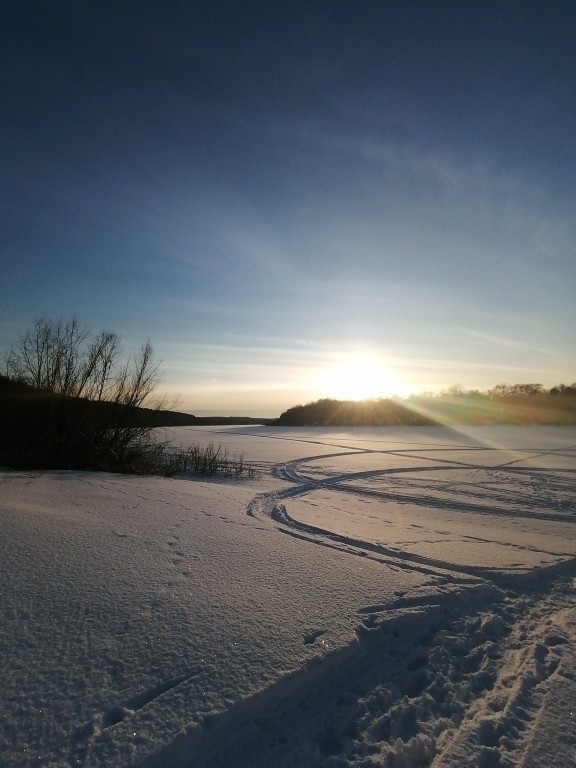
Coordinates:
[372,597]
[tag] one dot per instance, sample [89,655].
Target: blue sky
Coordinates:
[346,199]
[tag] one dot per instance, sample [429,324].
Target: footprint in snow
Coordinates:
[311,637]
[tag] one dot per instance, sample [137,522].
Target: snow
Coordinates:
[397,597]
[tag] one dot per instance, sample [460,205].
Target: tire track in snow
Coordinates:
[345,482]
[402,690]
[511,505]
[469,689]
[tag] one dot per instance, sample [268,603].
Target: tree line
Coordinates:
[503,404]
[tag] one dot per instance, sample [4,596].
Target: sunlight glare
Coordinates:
[358,377]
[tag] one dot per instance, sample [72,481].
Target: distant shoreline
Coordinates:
[240,413]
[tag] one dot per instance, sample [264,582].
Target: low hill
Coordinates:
[515,404]
[328,412]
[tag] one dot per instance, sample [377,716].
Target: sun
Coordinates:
[358,377]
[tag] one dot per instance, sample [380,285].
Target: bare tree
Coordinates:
[62,358]
[92,394]
[97,380]
[138,378]
[48,355]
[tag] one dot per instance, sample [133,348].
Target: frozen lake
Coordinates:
[398,597]
[487,499]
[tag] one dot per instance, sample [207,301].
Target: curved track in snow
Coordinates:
[519,492]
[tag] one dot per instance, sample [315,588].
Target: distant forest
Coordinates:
[519,404]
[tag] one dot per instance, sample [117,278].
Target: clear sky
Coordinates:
[296,199]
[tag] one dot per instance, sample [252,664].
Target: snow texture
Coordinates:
[371,597]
